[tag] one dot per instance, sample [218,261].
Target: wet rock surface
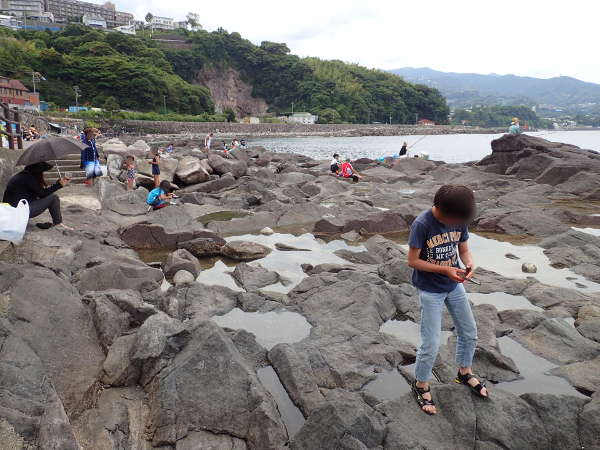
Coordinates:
[99,351]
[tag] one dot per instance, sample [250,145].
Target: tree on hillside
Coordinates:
[329,115]
[193,20]
[149,17]
[111,105]
[229,114]
[275,47]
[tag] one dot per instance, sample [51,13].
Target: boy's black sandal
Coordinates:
[464,379]
[421,401]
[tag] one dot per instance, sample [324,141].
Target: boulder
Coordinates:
[123,273]
[114,166]
[214,185]
[214,389]
[117,147]
[529,268]
[395,271]
[221,166]
[139,149]
[583,375]
[198,301]
[168,167]
[191,171]
[183,277]
[118,368]
[154,236]
[203,246]
[254,277]
[181,259]
[115,198]
[557,341]
[244,250]
[266,231]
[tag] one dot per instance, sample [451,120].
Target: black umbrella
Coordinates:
[50,149]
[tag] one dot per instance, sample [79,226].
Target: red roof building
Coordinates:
[426,122]
[16,93]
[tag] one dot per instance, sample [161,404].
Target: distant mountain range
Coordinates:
[468,89]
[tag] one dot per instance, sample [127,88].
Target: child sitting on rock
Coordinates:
[160,196]
[438,237]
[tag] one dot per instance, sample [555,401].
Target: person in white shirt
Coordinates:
[207,141]
[335,164]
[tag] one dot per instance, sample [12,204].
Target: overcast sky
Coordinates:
[541,38]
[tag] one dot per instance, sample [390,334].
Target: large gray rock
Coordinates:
[556,340]
[254,277]
[590,424]
[344,422]
[221,166]
[115,198]
[198,301]
[226,181]
[59,329]
[191,171]
[378,222]
[181,260]
[124,273]
[395,271]
[210,387]
[204,246]
[168,167]
[244,250]
[584,375]
[155,236]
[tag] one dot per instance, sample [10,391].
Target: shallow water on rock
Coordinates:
[408,331]
[389,385]
[592,231]
[288,263]
[290,414]
[218,275]
[490,254]
[533,369]
[503,301]
[270,328]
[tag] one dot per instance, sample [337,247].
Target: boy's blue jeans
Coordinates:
[431,326]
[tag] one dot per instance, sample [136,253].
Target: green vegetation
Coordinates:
[140,75]
[336,91]
[136,115]
[498,116]
[129,68]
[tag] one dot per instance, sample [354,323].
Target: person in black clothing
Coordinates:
[404,149]
[29,184]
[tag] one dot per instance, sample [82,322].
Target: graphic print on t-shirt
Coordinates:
[441,248]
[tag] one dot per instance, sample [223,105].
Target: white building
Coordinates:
[303,117]
[94,21]
[10,22]
[126,29]
[22,8]
[182,24]
[162,23]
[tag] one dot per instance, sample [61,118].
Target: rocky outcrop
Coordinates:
[228,90]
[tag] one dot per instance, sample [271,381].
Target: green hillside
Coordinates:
[140,74]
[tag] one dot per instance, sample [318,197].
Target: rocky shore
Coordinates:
[271,307]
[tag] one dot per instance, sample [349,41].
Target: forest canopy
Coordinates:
[141,75]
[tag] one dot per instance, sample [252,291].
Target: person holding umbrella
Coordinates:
[90,159]
[30,185]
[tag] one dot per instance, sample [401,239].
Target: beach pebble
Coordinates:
[529,268]
[183,277]
[266,231]
[511,256]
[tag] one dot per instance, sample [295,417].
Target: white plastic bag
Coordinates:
[13,221]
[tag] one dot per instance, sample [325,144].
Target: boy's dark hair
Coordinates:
[165,186]
[335,155]
[455,201]
[130,158]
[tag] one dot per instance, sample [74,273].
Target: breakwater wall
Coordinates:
[225,129]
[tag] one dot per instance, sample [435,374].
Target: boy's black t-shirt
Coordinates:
[439,245]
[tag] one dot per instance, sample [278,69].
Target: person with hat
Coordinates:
[514,128]
[30,185]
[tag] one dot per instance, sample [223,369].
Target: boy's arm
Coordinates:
[454,273]
[466,257]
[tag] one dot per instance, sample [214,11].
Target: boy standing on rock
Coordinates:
[438,236]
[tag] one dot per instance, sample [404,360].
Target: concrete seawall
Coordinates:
[224,129]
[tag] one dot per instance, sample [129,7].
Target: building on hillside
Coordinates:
[70,10]
[161,23]
[181,25]
[10,22]
[94,21]
[15,93]
[300,117]
[426,122]
[22,8]
[126,29]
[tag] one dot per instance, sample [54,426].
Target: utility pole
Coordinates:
[76,89]
[416,118]
[292,108]
[165,104]
[390,118]
[33,80]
